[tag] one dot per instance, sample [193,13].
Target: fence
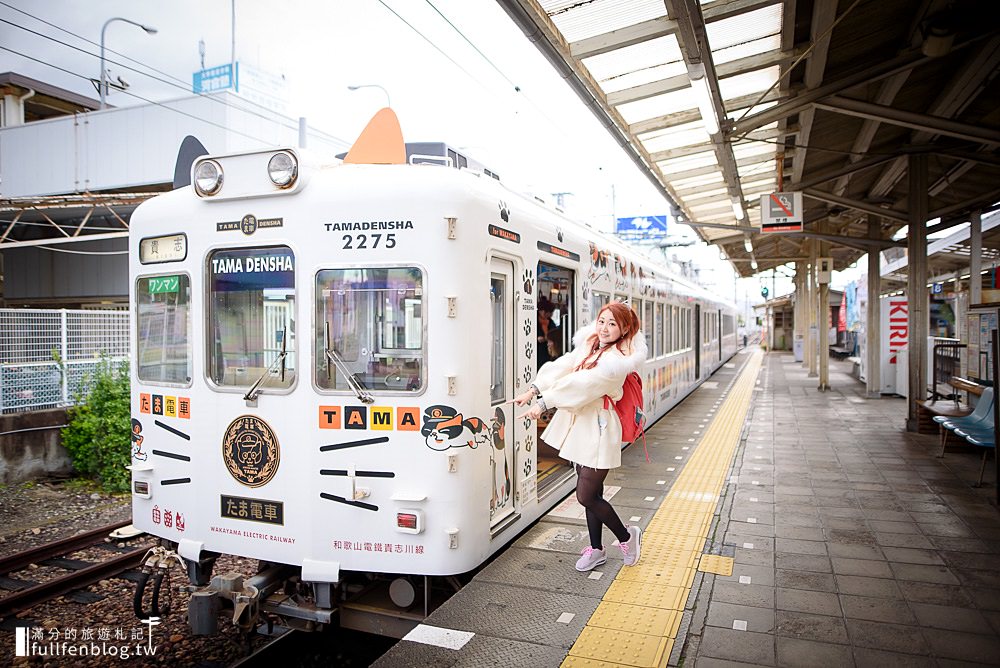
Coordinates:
[46,355]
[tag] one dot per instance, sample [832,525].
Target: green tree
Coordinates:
[97,435]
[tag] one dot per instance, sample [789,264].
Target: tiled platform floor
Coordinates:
[867,549]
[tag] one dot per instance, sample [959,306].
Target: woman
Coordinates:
[586,429]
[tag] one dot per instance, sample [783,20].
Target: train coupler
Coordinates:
[224,591]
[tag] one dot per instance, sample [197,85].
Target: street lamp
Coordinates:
[387,102]
[104,86]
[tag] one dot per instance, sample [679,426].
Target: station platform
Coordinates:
[782,527]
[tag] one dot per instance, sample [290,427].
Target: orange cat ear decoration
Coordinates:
[380,143]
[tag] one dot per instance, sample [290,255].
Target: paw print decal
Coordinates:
[527,374]
[504,212]
[529,443]
[527,327]
[527,424]
[529,350]
[527,468]
[529,282]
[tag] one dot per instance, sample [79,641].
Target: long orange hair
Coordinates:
[627,320]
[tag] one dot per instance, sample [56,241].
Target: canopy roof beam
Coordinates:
[909,119]
[865,207]
[658,27]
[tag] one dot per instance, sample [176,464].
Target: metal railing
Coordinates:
[46,355]
[946,365]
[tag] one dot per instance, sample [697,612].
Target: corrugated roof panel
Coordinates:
[690,162]
[708,193]
[744,27]
[714,177]
[578,20]
[692,134]
[644,76]
[710,206]
[658,105]
[746,49]
[751,82]
[748,148]
[659,51]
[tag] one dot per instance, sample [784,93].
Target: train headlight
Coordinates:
[282,169]
[208,177]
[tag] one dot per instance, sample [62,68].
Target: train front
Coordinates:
[280,389]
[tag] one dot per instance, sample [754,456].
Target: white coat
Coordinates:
[575,429]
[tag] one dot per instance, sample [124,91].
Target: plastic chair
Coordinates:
[983,411]
[988,444]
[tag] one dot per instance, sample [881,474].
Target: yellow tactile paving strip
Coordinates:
[637,621]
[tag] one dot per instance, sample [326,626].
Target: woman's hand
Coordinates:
[524,398]
[533,413]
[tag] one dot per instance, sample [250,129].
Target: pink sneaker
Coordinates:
[630,549]
[591,559]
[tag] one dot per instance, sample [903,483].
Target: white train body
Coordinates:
[423,282]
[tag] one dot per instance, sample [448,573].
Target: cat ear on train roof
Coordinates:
[380,143]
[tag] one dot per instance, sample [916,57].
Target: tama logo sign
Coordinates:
[379,418]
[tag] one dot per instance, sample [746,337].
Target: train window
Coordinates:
[687,328]
[251,316]
[498,314]
[370,329]
[597,302]
[669,348]
[658,337]
[163,341]
[647,323]
[554,327]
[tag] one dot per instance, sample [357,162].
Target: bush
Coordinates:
[97,436]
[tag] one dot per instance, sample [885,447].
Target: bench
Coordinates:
[840,352]
[947,407]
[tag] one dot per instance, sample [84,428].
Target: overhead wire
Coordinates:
[173,81]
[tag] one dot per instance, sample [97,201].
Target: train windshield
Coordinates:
[252,317]
[370,329]
[163,343]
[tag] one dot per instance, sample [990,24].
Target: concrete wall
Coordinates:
[30,447]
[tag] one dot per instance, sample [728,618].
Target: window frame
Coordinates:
[206,312]
[314,296]
[134,358]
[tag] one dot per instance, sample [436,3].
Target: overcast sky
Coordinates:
[457,71]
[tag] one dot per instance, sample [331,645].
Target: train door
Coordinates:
[556,290]
[697,341]
[502,462]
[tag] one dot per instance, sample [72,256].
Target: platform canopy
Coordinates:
[722,101]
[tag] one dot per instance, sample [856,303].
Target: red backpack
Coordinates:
[630,412]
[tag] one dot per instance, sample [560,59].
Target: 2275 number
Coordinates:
[358,241]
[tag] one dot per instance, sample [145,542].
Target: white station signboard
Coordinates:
[781,212]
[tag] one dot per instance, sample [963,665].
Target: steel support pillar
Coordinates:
[916,287]
[813,337]
[822,318]
[873,318]
[799,314]
[976,259]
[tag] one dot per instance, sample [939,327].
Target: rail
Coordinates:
[38,593]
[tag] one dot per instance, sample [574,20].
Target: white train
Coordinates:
[323,365]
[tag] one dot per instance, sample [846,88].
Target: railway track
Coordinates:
[80,576]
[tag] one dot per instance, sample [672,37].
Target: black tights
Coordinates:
[590,494]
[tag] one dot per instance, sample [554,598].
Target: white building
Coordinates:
[71,175]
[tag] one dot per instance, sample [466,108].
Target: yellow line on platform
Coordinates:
[636,623]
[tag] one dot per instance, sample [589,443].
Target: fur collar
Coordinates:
[613,360]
